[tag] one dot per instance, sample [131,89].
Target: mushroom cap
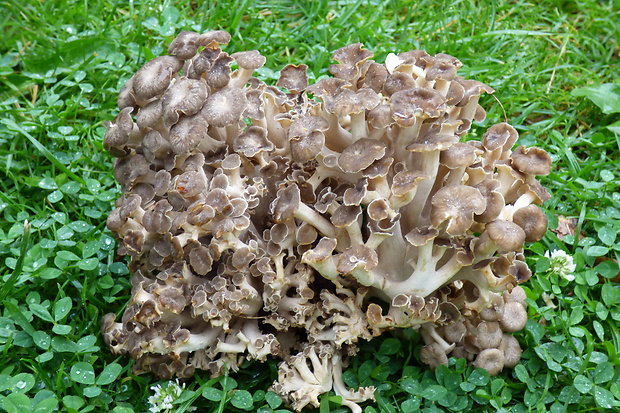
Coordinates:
[531,161]
[435,141]
[456,92]
[185,45]
[327,89]
[117,133]
[345,215]
[511,349]
[472,88]
[355,195]
[212,39]
[490,359]
[361,154]
[286,203]
[187,133]
[406,181]
[514,317]
[357,256]
[154,77]
[156,219]
[350,59]
[454,332]
[398,81]
[185,96]
[149,114]
[495,200]
[224,107]
[306,137]
[501,135]
[373,76]
[433,355]
[220,71]
[459,155]
[533,221]
[380,116]
[421,235]
[507,235]
[348,101]
[250,60]
[422,103]
[488,334]
[444,70]
[252,141]
[321,252]
[294,78]
[456,204]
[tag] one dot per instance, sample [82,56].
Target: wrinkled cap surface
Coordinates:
[456,205]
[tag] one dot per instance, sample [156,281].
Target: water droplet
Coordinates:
[20,384]
[78,372]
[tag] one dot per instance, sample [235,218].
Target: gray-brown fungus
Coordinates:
[293,220]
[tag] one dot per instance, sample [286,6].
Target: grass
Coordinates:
[62,63]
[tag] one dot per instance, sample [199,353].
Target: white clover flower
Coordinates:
[561,264]
[164,396]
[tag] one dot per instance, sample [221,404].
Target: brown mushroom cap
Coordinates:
[398,81]
[250,60]
[514,317]
[531,161]
[185,96]
[459,155]
[185,45]
[187,133]
[373,76]
[212,39]
[488,334]
[533,221]
[357,256]
[406,181]
[252,141]
[149,114]
[436,141]
[420,236]
[433,355]
[472,88]
[495,200]
[306,137]
[501,135]
[407,105]
[456,204]
[350,59]
[294,78]
[511,349]
[507,235]
[490,359]
[224,107]
[361,154]
[154,77]
[220,71]
[117,133]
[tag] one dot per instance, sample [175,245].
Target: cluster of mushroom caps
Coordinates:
[293,220]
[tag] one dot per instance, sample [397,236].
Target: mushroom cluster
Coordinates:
[290,221]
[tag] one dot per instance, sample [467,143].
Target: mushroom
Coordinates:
[295,220]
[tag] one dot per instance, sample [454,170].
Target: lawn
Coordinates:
[554,67]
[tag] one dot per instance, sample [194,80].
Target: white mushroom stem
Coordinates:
[426,277]
[358,125]
[406,136]
[428,331]
[312,217]
[428,164]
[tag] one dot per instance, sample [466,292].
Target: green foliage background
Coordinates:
[554,65]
